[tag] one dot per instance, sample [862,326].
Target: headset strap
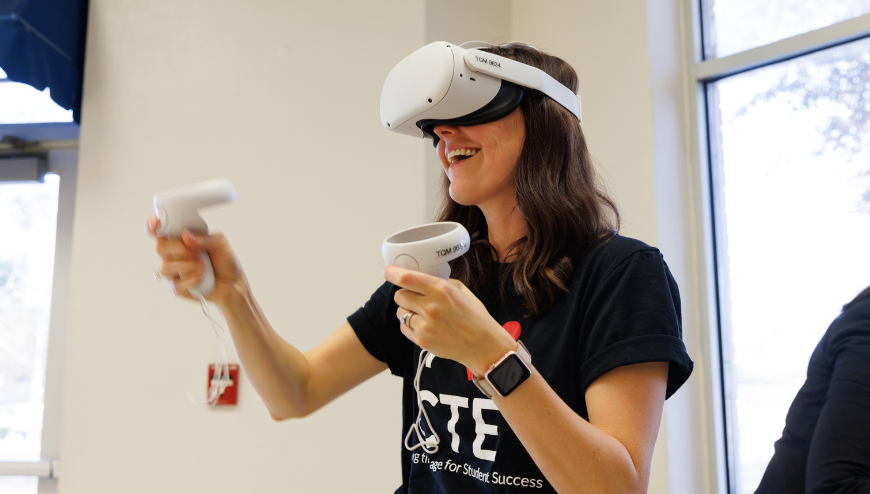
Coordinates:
[522,74]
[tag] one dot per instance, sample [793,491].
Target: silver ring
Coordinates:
[157,276]
[406,319]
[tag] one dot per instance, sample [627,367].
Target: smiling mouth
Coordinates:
[460,154]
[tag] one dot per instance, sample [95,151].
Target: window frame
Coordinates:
[59,141]
[699,73]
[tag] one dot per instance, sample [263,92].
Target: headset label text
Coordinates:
[488,62]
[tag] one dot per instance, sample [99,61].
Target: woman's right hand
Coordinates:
[183,267]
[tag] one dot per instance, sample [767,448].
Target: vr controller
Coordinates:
[427,248]
[178,210]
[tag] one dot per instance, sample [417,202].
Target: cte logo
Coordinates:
[481,428]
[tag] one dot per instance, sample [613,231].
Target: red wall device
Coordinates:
[231,392]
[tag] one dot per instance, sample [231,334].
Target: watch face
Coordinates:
[508,375]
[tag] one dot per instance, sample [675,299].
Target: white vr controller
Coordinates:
[178,210]
[427,248]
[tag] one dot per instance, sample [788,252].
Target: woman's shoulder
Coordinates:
[614,251]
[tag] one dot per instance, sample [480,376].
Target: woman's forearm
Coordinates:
[573,454]
[278,371]
[577,456]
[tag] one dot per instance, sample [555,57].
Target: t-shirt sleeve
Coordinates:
[377,327]
[634,317]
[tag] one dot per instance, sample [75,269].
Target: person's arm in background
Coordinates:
[291,383]
[839,455]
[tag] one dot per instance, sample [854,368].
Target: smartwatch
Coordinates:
[507,374]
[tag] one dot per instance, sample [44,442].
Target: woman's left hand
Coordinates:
[448,320]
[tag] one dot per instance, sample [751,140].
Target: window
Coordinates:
[733,26]
[786,132]
[35,256]
[26,262]
[20,103]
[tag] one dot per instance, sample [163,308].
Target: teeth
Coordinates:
[452,155]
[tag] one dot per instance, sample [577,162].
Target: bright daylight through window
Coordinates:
[731,26]
[791,184]
[20,103]
[26,268]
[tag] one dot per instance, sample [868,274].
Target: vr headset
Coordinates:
[443,83]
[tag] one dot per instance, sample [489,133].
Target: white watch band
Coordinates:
[483,383]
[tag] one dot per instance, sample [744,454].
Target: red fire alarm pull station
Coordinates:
[231,390]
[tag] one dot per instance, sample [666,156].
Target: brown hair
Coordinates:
[566,210]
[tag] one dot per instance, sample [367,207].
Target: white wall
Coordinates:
[282,98]
[607,44]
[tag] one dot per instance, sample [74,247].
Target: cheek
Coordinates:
[439,155]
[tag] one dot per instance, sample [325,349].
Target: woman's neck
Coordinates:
[505,226]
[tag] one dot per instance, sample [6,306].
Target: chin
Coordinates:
[460,198]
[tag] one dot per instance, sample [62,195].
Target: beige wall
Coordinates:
[282,98]
[607,44]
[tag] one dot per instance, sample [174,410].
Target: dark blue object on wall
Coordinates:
[42,44]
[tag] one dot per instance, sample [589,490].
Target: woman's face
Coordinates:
[480,159]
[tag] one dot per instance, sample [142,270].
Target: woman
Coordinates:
[598,313]
[825,445]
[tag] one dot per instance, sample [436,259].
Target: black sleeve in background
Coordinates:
[377,328]
[839,455]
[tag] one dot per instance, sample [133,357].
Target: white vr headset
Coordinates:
[443,83]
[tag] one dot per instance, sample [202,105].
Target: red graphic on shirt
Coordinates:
[514,329]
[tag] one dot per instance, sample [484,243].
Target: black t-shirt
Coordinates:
[623,308]
[825,446]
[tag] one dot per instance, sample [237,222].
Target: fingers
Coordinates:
[181,270]
[171,249]
[151,225]
[215,242]
[410,300]
[192,240]
[400,313]
[423,284]
[181,287]
[408,331]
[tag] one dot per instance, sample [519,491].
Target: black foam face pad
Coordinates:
[505,101]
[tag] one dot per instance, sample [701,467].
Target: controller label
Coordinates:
[450,250]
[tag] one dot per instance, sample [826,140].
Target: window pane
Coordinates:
[19,485]
[731,26]
[20,103]
[28,218]
[792,196]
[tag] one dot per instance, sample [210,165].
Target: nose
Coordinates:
[445,131]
